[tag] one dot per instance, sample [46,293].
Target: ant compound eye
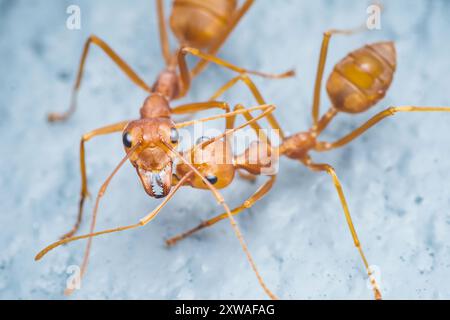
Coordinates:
[127,140]
[212,179]
[174,135]
[202,139]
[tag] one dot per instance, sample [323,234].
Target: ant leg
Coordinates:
[186,76]
[230,130]
[213,59]
[321,67]
[84,184]
[201,106]
[325,146]
[325,120]
[267,108]
[164,39]
[260,193]
[329,169]
[256,94]
[247,115]
[246,176]
[221,39]
[53,117]
[212,103]
[100,195]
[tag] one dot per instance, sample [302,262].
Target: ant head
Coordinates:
[214,161]
[152,160]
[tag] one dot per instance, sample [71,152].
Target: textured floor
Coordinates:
[395,177]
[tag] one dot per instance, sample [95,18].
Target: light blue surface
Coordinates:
[395,177]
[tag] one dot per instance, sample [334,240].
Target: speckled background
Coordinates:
[395,177]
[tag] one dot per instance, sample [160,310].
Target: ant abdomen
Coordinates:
[362,78]
[198,23]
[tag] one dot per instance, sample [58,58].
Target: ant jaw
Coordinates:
[157,184]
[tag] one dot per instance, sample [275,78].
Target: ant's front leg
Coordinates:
[84,183]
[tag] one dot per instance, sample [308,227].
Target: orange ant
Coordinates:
[150,142]
[357,83]
[169,85]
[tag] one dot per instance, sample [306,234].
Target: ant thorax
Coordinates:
[298,145]
[155,106]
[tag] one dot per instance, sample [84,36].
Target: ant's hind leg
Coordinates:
[84,184]
[321,67]
[325,146]
[53,117]
[330,170]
